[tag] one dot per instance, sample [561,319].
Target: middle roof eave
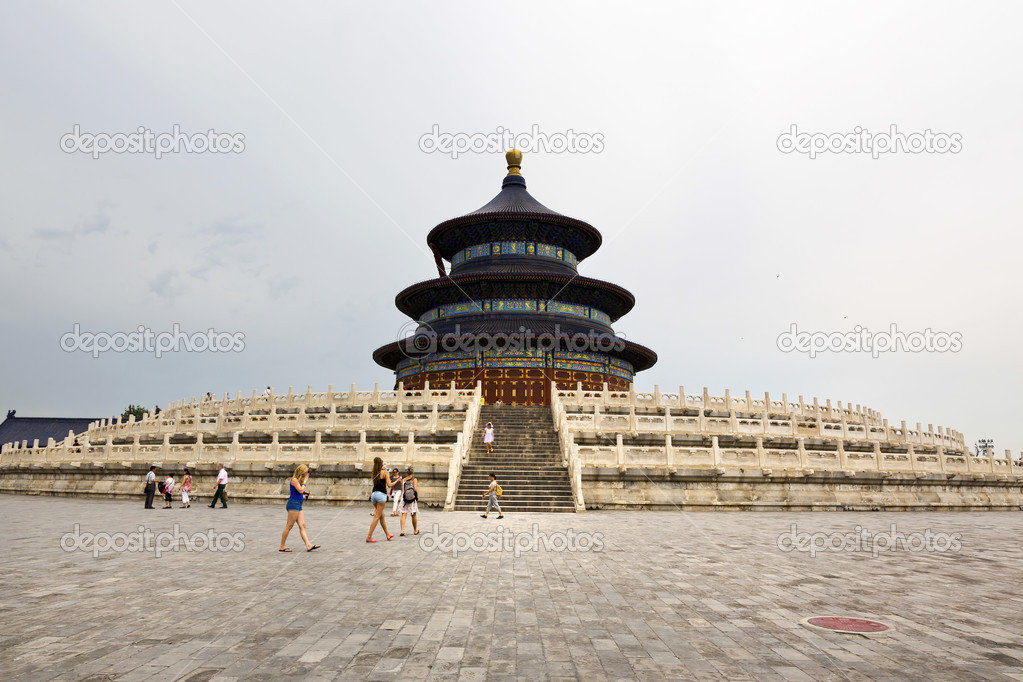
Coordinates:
[418,298]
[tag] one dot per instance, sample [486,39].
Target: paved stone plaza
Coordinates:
[656,596]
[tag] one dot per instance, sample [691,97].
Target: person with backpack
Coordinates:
[493,491]
[410,501]
[167,488]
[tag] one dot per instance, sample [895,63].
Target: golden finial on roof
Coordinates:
[514,159]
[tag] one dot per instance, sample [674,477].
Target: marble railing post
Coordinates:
[761,453]
[715,451]
[620,447]
[801,448]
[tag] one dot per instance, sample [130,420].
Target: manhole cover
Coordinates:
[859,626]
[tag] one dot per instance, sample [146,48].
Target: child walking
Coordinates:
[168,492]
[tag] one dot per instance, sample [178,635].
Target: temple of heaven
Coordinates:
[514,313]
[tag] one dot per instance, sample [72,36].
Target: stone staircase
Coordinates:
[526,460]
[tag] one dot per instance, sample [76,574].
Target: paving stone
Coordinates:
[671,596]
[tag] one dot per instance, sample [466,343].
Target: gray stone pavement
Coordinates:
[655,596]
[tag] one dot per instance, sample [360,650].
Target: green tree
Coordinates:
[136,410]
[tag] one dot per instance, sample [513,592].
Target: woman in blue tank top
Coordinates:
[294,507]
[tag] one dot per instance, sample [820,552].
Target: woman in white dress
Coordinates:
[488,437]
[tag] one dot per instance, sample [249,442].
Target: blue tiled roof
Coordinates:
[17,429]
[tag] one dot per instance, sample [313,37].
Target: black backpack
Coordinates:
[162,487]
[409,493]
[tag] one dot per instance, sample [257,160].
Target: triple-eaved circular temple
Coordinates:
[514,312]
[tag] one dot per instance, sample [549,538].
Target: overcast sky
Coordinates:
[301,240]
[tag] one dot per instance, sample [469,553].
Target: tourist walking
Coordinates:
[168,492]
[221,493]
[493,491]
[150,488]
[396,492]
[186,488]
[294,508]
[381,482]
[410,501]
[488,437]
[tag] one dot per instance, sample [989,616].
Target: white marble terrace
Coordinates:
[700,431]
[335,427]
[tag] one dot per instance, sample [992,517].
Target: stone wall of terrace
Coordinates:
[334,431]
[699,431]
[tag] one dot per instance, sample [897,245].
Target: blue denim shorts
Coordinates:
[294,505]
[377,497]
